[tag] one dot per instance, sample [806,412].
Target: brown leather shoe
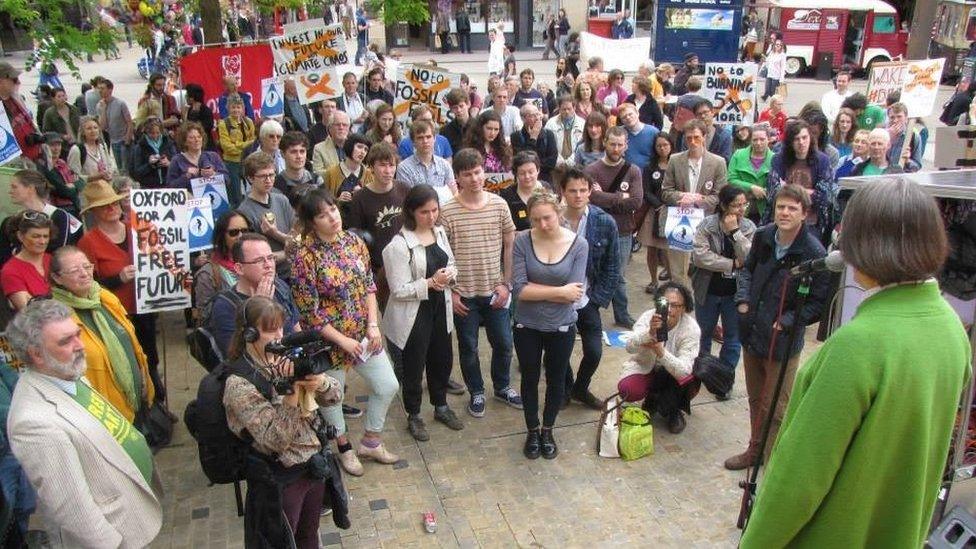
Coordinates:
[741,461]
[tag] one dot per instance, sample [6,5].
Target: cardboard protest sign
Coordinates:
[731,88]
[921,86]
[272,98]
[215,190]
[9,149]
[495,182]
[316,86]
[957,147]
[160,249]
[201,224]
[423,85]
[681,225]
[309,50]
[884,79]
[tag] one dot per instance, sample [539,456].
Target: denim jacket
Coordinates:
[602,262]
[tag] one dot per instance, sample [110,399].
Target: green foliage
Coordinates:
[55,38]
[267,7]
[390,12]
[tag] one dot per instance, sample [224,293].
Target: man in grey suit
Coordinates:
[692,180]
[92,470]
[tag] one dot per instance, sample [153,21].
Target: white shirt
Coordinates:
[694,171]
[831,101]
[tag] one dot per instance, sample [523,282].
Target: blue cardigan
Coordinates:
[639,146]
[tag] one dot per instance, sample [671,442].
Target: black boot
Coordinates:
[549,448]
[532,444]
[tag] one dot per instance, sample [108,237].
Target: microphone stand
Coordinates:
[749,485]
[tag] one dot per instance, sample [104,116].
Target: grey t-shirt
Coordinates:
[546,316]
[278,205]
[118,117]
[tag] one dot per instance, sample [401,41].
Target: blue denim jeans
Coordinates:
[119,152]
[383,387]
[17,490]
[707,314]
[498,328]
[619,302]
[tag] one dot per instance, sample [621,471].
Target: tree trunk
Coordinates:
[921,29]
[212,21]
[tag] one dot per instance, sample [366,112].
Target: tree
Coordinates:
[55,36]
[391,12]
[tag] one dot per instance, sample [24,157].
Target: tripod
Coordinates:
[749,485]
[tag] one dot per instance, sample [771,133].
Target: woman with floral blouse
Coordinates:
[333,287]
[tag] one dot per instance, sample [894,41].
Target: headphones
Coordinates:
[250,333]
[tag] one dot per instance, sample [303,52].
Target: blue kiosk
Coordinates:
[709,28]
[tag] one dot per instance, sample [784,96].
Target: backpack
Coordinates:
[223,454]
[200,341]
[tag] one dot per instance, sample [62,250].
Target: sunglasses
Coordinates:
[33,215]
[236,232]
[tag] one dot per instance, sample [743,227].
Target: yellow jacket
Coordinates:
[334,176]
[100,370]
[234,138]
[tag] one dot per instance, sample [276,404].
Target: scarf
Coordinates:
[123,372]
[155,144]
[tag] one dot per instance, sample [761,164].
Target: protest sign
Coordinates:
[957,147]
[731,88]
[921,86]
[316,86]
[9,149]
[423,85]
[208,67]
[272,98]
[201,224]
[625,54]
[160,249]
[681,225]
[309,50]
[495,182]
[213,189]
[884,79]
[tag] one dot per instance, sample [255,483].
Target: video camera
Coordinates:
[308,354]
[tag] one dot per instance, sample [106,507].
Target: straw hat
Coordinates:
[99,193]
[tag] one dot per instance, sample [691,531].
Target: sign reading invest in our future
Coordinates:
[424,85]
[310,55]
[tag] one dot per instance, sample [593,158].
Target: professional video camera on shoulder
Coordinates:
[298,356]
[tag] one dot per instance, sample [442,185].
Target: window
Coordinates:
[884,24]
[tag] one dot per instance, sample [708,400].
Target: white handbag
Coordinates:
[609,434]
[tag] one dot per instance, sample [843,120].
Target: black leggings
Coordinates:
[145,328]
[429,348]
[536,349]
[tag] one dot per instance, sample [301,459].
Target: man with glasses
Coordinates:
[329,152]
[254,263]
[536,138]
[718,139]
[267,210]
[320,130]
[25,132]
[375,88]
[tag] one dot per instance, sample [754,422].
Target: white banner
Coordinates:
[681,225]
[921,86]
[309,50]
[883,79]
[160,249]
[423,85]
[625,54]
[731,88]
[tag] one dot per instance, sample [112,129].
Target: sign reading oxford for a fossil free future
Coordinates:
[160,249]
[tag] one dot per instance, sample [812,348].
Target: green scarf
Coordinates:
[122,370]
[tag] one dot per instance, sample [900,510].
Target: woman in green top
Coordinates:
[749,168]
[861,451]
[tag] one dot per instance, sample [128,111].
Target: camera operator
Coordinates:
[660,369]
[289,482]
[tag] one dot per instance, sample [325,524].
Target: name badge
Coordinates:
[521,214]
[708,185]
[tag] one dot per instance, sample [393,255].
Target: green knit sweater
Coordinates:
[744,176]
[860,453]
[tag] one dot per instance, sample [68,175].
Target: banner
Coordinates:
[423,85]
[625,54]
[681,225]
[214,189]
[201,224]
[9,149]
[272,98]
[921,86]
[160,249]
[731,88]
[309,50]
[885,78]
[314,87]
[208,67]
[495,182]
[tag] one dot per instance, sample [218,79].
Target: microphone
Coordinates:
[833,262]
[297,339]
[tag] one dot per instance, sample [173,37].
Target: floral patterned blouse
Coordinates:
[330,282]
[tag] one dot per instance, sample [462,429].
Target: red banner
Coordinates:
[209,66]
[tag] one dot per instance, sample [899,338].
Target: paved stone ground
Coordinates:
[484,492]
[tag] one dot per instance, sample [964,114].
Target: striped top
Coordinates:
[476,240]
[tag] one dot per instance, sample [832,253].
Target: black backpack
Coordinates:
[223,454]
[200,341]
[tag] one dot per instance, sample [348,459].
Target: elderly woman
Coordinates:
[721,245]
[661,370]
[24,275]
[117,366]
[91,157]
[153,153]
[269,139]
[333,288]
[219,273]
[864,392]
[193,161]
[108,247]
[879,144]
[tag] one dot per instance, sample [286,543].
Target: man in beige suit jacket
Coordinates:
[693,179]
[88,465]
